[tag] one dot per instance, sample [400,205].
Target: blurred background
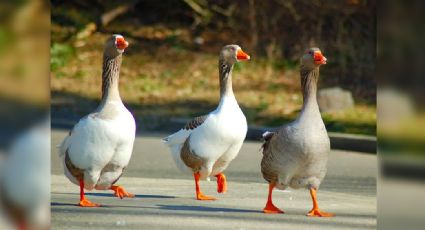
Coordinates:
[401,114]
[170,69]
[24,115]
[170,73]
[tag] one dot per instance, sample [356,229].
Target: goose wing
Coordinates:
[178,142]
[197,121]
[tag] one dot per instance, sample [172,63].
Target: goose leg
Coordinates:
[83,201]
[270,208]
[120,192]
[315,211]
[221,183]
[199,194]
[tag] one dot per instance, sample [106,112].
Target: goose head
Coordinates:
[313,58]
[115,46]
[233,53]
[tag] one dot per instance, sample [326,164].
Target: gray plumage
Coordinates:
[296,155]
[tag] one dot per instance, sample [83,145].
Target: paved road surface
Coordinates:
[165,196]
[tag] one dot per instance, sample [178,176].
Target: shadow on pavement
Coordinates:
[59,204]
[62,204]
[136,196]
[204,209]
[112,195]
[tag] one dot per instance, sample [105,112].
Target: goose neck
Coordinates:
[110,78]
[225,70]
[309,78]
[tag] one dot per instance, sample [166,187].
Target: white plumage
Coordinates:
[100,145]
[207,144]
[25,179]
[220,136]
[95,143]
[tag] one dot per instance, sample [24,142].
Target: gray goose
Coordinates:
[100,145]
[207,144]
[296,155]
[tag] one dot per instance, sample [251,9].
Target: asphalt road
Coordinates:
[165,196]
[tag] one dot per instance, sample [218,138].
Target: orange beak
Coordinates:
[319,59]
[121,43]
[242,56]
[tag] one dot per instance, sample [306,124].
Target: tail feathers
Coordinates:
[63,147]
[177,138]
[175,142]
[267,136]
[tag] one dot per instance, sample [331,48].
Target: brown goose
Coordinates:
[207,144]
[100,145]
[297,154]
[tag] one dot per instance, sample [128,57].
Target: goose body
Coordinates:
[100,145]
[207,144]
[296,155]
[217,140]
[25,180]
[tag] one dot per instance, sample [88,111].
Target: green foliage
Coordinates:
[19,71]
[263,105]
[60,55]
[357,120]
[275,33]
[285,64]
[166,74]
[143,76]
[238,66]
[4,39]
[273,87]
[79,74]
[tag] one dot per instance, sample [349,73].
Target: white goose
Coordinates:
[25,180]
[100,145]
[207,144]
[297,154]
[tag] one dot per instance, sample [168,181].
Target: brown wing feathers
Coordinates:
[189,158]
[197,121]
[76,172]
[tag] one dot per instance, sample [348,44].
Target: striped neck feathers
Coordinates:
[110,77]
[309,79]
[225,73]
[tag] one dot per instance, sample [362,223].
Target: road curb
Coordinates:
[351,142]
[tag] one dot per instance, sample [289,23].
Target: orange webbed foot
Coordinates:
[318,213]
[88,204]
[315,211]
[221,183]
[120,192]
[271,209]
[201,196]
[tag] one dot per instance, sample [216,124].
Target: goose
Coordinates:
[296,155]
[207,144]
[25,180]
[99,147]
